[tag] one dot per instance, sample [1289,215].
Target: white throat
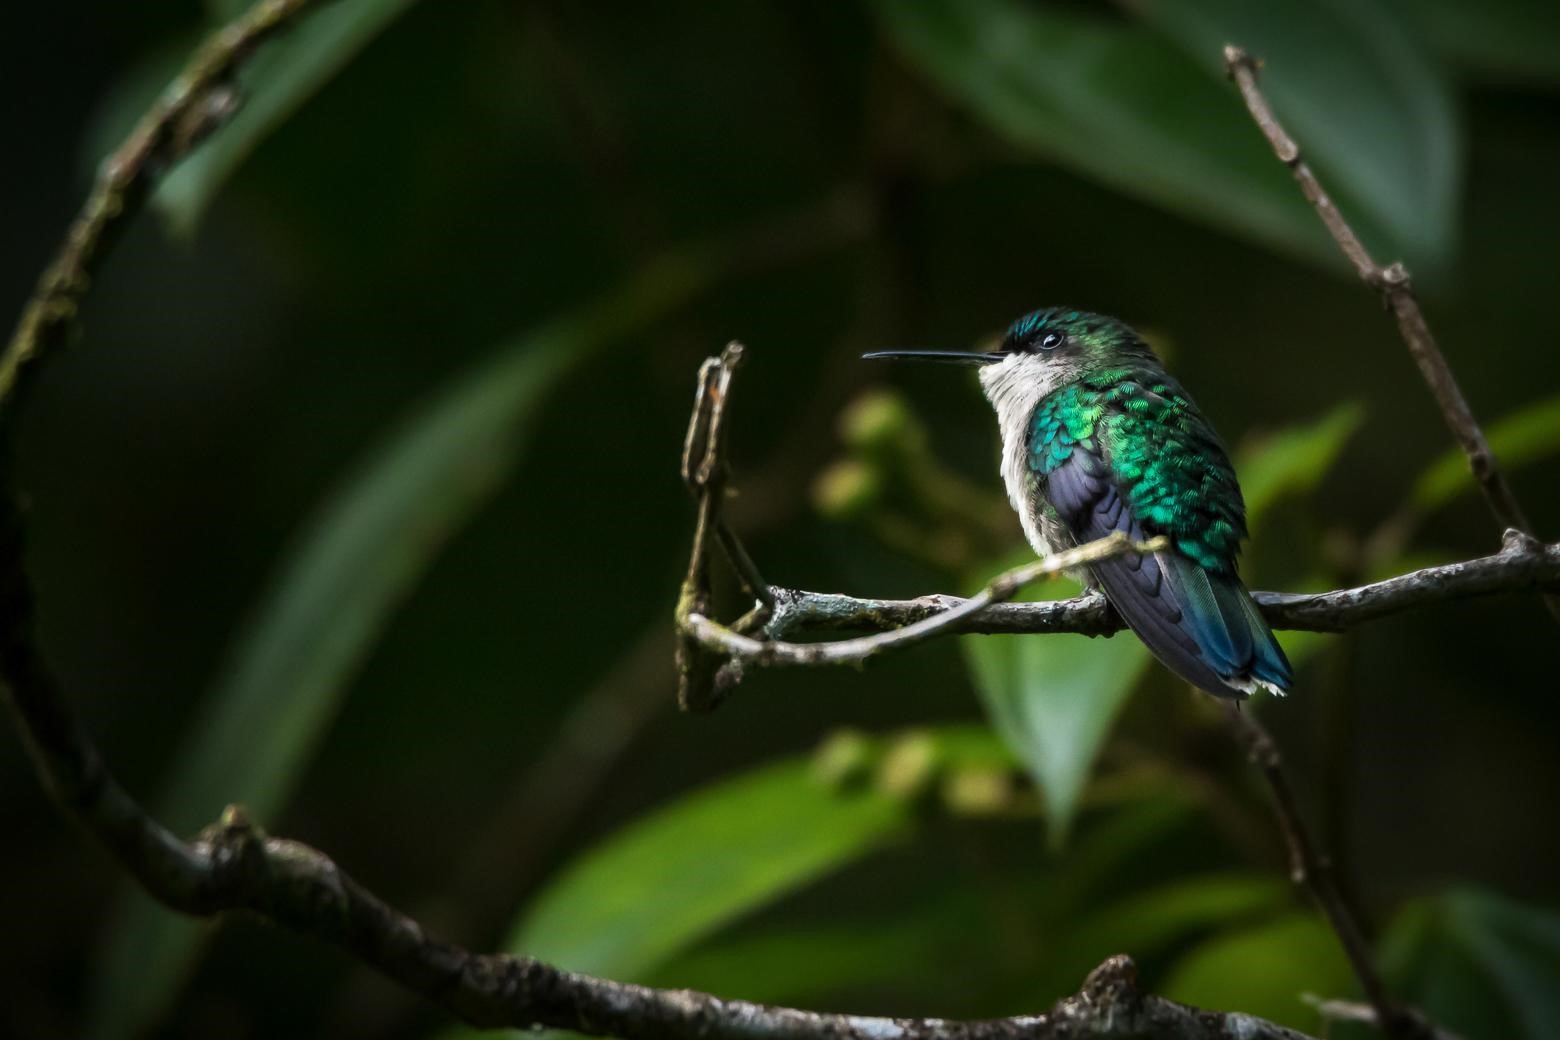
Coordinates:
[1015,386]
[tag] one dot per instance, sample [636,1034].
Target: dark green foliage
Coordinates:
[285,493]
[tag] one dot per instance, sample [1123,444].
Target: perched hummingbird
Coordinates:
[1097,437]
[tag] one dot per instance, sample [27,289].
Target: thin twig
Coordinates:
[1003,587]
[708,477]
[742,565]
[704,472]
[1311,870]
[203,98]
[1522,565]
[1397,292]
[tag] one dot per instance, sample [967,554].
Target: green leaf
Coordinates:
[803,965]
[1292,461]
[1370,109]
[938,944]
[1481,965]
[672,878]
[1265,971]
[1116,102]
[332,595]
[686,871]
[1288,463]
[1150,922]
[275,83]
[1053,701]
[1520,439]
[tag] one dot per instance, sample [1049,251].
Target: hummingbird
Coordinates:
[1097,438]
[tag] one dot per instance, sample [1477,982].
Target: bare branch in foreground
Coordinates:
[232,865]
[1003,587]
[200,101]
[1397,292]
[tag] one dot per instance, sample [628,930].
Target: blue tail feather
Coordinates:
[1270,664]
[1227,626]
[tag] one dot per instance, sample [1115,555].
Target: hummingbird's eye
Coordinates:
[1050,341]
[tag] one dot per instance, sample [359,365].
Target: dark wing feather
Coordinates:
[1091,506]
[1172,477]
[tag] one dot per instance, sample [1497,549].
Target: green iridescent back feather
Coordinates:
[1169,464]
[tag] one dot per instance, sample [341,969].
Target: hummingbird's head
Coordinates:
[1040,352]
[1067,338]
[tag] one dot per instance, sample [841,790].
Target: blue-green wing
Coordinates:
[1132,455]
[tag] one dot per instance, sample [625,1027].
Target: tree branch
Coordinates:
[1522,565]
[233,865]
[1397,292]
[1003,587]
[1310,869]
[201,100]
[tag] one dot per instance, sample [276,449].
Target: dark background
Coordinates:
[481,168]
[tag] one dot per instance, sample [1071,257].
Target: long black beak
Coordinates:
[948,357]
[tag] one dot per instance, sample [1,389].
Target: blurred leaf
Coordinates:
[1264,971]
[1484,966]
[1114,101]
[685,871]
[1369,108]
[682,873]
[1053,701]
[1293,460]
[1502,41]
[1109,852]
[1148,922]
[971,746]
[330,597]
[1520,439]
[275,83]
[940,945]
[805,965]
[656,902]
